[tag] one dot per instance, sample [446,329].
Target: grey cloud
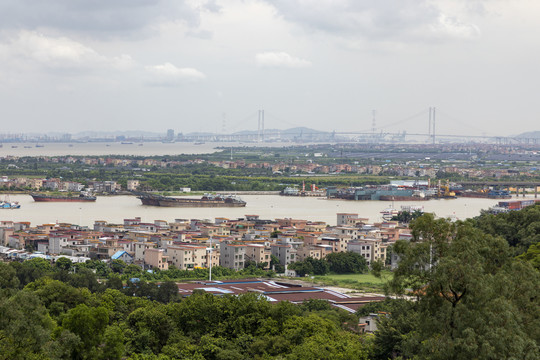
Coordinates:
[201,34]
[212,6]
[98,17]
[56,55]
[392,20]
[169,75]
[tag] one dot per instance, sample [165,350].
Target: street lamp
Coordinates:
[209,253]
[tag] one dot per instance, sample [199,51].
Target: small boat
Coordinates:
[10,205]
[7,204]
[389,213]
[40,145]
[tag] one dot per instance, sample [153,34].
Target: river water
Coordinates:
[116,148]
[114,209]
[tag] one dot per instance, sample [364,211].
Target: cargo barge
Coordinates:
[60,198]
[491,194]
[506,206]
[384,193]
[208,200]
[403,198]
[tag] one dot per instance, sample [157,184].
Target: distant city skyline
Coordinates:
[211,65]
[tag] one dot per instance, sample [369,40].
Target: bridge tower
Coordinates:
[433,119]
[260,126]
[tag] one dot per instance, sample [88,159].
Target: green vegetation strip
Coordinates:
[355,281]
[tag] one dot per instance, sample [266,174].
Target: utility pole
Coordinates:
[209,252]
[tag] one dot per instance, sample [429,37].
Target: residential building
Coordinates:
[156,258]
[232,256]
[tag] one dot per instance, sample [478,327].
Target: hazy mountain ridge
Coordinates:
[530,135]
[135,133]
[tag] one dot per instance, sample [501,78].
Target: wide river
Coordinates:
[114,209]
[116,148]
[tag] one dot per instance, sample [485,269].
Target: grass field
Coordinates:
[365,282]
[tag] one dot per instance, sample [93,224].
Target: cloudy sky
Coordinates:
[209,65]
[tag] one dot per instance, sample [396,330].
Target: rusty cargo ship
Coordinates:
[208,200]
[60,198]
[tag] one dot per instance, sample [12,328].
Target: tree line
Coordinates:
[48,312]
[338,263]
[460,291]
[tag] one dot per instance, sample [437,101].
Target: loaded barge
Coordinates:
[486,194]
[506,206]
[208,200]
[60,198]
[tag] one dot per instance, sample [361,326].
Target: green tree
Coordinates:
[64,264]
[58,297]
[474,299]
[25,326]
[167,292]
[115,282]
[118,266]
[149,329]
[320,266]
[532,255]
[113,343]
[8,277]
[346,262]
[302,268]
[89,324]
[31,270]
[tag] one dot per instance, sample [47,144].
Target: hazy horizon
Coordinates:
[210,65]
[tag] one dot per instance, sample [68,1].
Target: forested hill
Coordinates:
[475,299]
[50,312]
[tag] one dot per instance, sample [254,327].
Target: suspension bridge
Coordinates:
[375,134]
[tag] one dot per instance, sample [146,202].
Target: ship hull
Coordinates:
[188,203]
[484,195]
[42,198]
[402,198]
